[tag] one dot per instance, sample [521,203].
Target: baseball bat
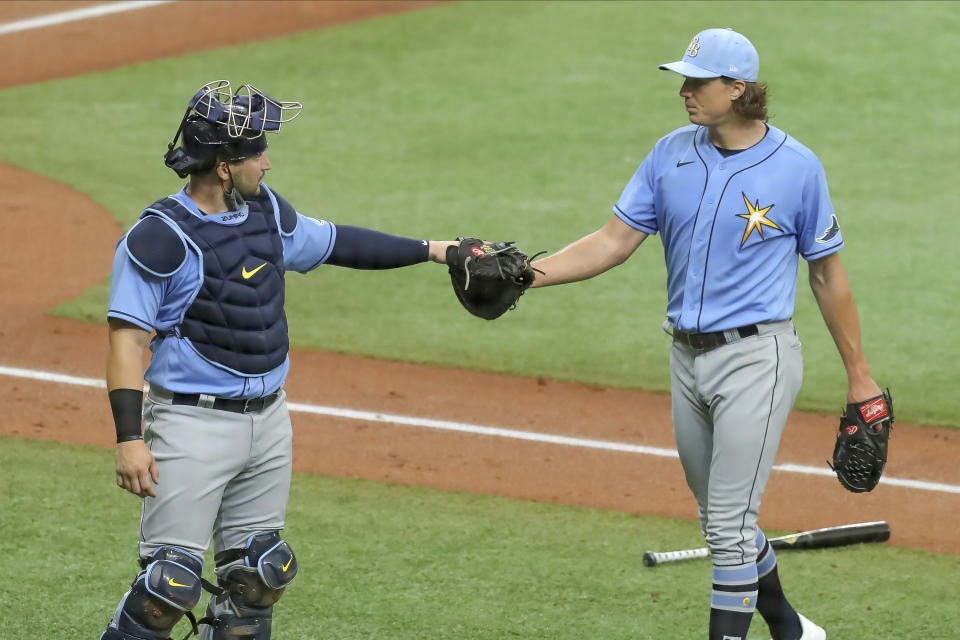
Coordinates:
[838,536]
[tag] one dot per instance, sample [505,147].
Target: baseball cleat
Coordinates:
[810,630]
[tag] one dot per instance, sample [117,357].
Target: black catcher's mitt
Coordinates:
[488,277]
[861,449]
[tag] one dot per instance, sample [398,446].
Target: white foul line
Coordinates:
[461,427]
[445,425]
[47,376]
[73,15]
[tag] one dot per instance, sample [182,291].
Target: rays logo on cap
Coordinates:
[718,52]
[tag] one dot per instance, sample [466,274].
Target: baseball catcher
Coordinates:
[861,449]
[488,277]
[205,268]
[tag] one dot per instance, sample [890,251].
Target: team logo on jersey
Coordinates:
[756,218]
[831,231]
[694,47]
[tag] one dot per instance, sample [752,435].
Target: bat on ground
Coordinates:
[816,539]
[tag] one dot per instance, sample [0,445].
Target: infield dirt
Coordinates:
[79,237]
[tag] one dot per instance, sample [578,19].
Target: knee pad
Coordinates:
[168,587]
[253,579]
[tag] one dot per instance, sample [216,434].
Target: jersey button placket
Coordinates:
[699,243]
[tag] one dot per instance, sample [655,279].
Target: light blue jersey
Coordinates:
[731,227]
[151,302]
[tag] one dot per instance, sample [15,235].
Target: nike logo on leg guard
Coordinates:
[175,584]
[287,566]
[249,274]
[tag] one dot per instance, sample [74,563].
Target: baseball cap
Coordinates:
[718,52]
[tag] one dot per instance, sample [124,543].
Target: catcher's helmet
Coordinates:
[220,124]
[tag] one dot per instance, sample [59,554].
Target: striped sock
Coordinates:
[733,602]
[772,604]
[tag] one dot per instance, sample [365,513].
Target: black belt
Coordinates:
[712,340]
[236,405]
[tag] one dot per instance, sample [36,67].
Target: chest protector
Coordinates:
[236,320]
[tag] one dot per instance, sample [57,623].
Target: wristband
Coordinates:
[127,405]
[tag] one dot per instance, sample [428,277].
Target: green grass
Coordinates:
[524,121]
[394,562]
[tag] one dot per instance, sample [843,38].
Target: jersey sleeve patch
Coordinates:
[156,247]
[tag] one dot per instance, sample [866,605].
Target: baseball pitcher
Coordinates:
[735,201]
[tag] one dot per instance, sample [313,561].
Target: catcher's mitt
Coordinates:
[488,277]
[861,449]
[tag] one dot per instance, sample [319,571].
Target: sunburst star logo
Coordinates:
[756,218]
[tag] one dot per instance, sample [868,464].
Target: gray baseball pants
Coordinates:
[221,473]
[730,406]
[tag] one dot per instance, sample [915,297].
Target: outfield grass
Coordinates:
[393,562]
[524,121]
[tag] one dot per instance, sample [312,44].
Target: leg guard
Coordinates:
[253,579]
[168,587]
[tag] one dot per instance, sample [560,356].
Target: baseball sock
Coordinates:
[772,604]
[733,601]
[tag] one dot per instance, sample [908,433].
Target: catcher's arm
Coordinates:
[591,255]
[135,465]
[831,288]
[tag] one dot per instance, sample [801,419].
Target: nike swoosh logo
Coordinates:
[175,584]
[249,274]
[287,566]
[683,164]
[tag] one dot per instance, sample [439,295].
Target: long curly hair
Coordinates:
[752,105]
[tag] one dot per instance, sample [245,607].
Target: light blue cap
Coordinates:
[718,52]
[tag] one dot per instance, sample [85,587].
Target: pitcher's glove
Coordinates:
[861,449]
[488,277]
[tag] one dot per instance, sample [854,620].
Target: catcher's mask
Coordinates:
[225,125]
